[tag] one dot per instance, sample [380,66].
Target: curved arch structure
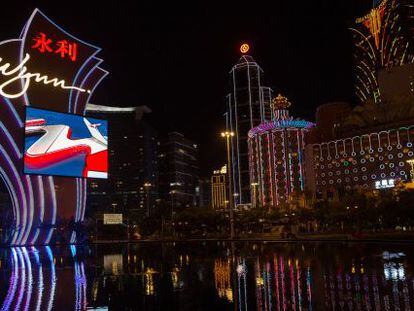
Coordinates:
[45,209]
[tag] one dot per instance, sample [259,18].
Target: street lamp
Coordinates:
[147,187]
[411,162]
[228,135]
[254,201]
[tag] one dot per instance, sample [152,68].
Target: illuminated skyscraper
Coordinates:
[248,106]
[383,40]
[276,162]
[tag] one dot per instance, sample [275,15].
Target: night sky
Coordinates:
[176,59]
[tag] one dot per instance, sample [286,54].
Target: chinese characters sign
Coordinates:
[64,48]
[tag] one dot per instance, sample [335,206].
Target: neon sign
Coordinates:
[20,73]
[63,47]
[47,68]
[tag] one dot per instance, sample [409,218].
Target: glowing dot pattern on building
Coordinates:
[276,156]
[360,161]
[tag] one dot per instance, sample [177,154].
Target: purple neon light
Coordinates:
[279,124]
[13,282]
[29,282]
[22,196]
[54,208]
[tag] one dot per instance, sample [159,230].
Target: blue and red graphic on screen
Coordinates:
[63,144]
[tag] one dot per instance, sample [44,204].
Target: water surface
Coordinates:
[209,276]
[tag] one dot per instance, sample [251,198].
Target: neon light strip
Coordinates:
[269,148]
[14,112]
[260,167]
[31,209]
[52,191]
[279,124]
[41,198]
[22,284]
[15,202]
[22,192]
[275,166]
[52,278]
[14,278]
[11,140]
[30,279]
[300,161]
[85,80]
[85,187]
[40,286]
[237,140]
[276,276]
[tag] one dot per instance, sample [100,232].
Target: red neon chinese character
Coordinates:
[66,48]
[42,43]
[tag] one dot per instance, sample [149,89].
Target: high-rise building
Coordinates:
[383,39]
[203,191]
[133,180]
[276,157]
[248,106]
[178,170]
[219,188]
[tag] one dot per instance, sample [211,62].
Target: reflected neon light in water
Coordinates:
[20,73]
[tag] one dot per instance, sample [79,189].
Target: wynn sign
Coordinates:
[51,70]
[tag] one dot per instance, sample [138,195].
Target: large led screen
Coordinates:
[62,144]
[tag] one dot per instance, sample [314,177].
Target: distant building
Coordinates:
[204,192]
[219,189]
[133,180]
[178,170]
[276,157]
[330,119]
[248,106]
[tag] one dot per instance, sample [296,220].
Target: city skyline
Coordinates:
[297,45]
[191,157]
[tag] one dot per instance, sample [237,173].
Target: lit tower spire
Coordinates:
[247,107]
[279,106]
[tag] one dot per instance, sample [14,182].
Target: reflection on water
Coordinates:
[208,276]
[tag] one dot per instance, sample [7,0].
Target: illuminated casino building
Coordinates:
[384,51]
[372,160]
[248,106]
[133,182]
[276,161]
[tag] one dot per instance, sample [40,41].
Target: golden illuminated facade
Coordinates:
[219,188]
[382,40]
[222,273]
